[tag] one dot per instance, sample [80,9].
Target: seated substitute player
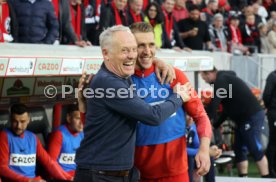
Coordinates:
[64,142]
[20,150]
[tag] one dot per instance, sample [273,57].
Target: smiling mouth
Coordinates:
[146,58]
[129,64]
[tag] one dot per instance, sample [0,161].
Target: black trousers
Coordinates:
[271,148]
[86,175]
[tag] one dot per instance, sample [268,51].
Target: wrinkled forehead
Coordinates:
[123,39]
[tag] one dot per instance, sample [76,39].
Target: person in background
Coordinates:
[192,150]
[260,10]
[241,106]
[272,6]
[134,11]
[8,23]
[224,8]
[180,11]
[65,140]
[269,97]
[66,30]
[265,45]
[37,21]
[272,38]
[194,32]
[219,34]
[209,12]
[250,34]
[114,14]
[246,11]
[271,20]
[77,13]
[20,150]
[93,9]
[171,27]
[236,45]
[154,16]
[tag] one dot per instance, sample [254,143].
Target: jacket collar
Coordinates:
[144,72]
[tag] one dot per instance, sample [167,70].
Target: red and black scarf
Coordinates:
[152,22]
[236,35]
[208,11]
[98,6]
[56,7]
[145,4]
[76,19]
[85,3]
[136,18]
[252,33]
[168,23]
[3,17]
[118,20]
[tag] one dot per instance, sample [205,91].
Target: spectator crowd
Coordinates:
[239,26]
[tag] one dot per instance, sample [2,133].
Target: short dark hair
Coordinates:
[193,7]
[18,109]
[72,108]
[159,16]
[141,27]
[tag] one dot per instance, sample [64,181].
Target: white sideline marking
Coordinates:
[237,179]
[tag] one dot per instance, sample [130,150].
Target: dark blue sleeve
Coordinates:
[212,108]
[52,25]
[269,88]
[137,109]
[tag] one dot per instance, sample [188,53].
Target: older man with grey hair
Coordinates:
[219,34]
[107,150]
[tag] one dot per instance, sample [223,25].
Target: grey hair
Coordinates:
[274,23]
[217,16]
[107,35]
